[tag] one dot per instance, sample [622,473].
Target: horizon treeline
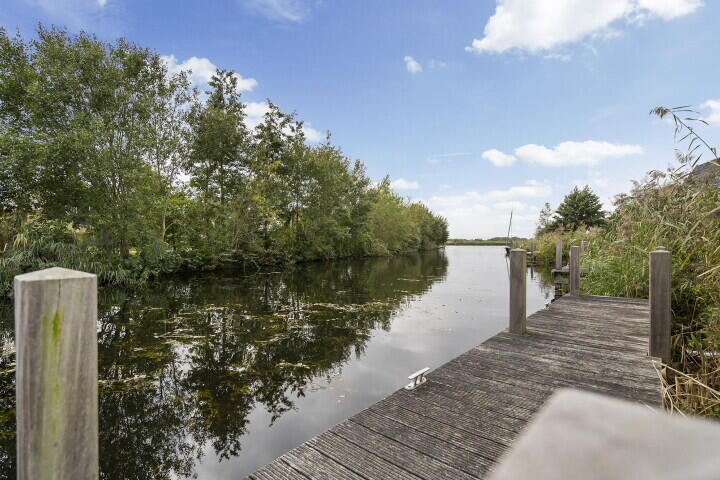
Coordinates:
[111,164]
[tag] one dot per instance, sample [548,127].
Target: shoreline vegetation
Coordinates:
[113,165]
[677,209]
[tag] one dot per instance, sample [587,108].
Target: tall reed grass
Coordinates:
[681,212]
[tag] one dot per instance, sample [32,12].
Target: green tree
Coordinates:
[546,222]
[109,163]
[74,120]
[168,133]
[220,141]
[580,207]
[391,228]
[272,149]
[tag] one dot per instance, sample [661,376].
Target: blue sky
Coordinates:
[472,106]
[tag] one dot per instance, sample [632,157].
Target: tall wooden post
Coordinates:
[660,313]
[583,246]
[574,270]
[558,254]
[56,382]
[518,296]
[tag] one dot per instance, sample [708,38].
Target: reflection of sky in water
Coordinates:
[207,362]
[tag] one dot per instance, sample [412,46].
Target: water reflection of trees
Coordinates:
[183,364]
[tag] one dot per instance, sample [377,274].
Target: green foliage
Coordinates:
[545,220]
[113,165]
[579,208]
[683,217]
[544,244]
[40,243]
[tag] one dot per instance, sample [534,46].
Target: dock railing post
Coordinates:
[56,376]
[518,296]
[558,254]
[574,270]
[660,313]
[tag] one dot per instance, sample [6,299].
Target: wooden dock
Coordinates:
[472,408]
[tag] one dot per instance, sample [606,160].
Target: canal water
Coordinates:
[211,376]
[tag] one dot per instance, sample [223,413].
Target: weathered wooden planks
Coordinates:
[472,408]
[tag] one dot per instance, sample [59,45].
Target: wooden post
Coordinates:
[558,254]
[574,270]
[660,314]
[518,297]
[56,382]
[583,246]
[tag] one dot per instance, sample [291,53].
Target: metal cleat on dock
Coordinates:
[418,378]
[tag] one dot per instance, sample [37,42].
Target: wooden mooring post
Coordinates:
[56,377]
[558,254]
[660,313]
[518,291]
[574,272]
[558,267]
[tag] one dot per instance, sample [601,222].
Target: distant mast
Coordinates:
[508,244]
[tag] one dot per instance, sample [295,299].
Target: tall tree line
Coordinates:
[110,163]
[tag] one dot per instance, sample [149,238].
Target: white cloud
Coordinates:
[486,214]
[437,63]
[102,2]
[498,158]
[567,154]
[402,184]
[513,206]
[534,26]
[713,116]
[283,10]
[202,71]
[312,135]
[531,189]
[254,113]
[561,57]
[601,182]
[412,65]
[668,9]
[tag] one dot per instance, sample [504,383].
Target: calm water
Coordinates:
[211,376]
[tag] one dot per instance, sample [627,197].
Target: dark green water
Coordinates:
[211,376]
